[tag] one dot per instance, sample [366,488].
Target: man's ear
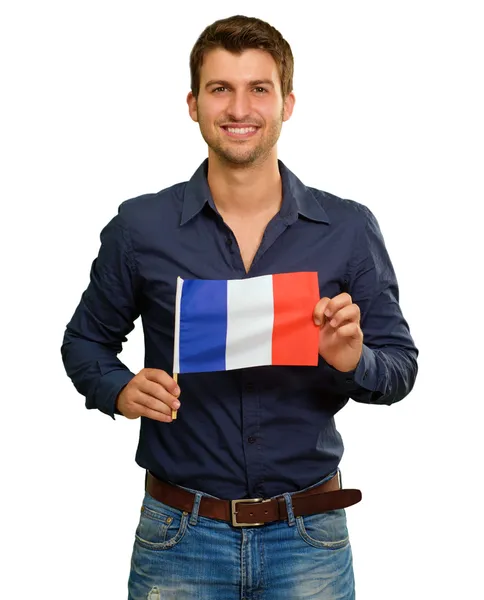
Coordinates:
[192,106]
[289,103]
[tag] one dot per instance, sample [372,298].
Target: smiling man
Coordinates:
[243,491]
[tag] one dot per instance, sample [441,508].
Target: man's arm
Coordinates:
[102,320]
[387,369]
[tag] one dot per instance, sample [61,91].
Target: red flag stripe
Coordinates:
[295,336]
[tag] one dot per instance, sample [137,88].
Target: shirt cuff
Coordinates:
[364,375]
[109,388]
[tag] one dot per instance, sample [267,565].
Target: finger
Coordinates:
[145,401]
[337,303]
[143,405]
[350,330]
[165,380]
[158,392]
[318,313]
[347,314]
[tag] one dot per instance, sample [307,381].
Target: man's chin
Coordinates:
[237,158]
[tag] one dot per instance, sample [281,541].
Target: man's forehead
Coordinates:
[250,65]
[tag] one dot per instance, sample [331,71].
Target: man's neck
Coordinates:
[245,191]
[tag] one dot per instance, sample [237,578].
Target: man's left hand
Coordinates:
[340,336]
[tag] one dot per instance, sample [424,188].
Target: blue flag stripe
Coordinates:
[203,326]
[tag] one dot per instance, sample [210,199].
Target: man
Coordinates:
[265,433]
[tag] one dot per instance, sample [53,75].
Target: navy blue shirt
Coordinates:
[254,432]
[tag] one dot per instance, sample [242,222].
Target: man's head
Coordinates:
[241,75]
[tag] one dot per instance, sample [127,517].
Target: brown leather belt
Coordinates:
[252,512]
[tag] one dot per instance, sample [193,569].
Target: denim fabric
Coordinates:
[181,556]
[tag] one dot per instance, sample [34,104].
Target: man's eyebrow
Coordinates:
[251,83]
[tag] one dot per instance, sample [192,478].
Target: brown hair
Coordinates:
[239,33]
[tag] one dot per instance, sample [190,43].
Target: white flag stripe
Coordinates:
[250,320]
[176,353]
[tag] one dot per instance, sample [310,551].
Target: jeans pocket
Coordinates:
[160,527]
[324,530]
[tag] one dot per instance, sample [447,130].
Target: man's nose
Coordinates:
[239,105]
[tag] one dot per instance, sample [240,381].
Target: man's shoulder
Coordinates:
[339,208]
[151,203]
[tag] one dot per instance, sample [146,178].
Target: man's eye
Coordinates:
[259,89]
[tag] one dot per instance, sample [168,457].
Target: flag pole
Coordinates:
[176,337]
[174,412]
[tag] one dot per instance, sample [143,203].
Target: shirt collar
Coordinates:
[297,199]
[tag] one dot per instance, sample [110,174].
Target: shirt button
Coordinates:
[365,375]
[251,439]
[249,387]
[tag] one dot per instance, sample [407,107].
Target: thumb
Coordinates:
[318,314]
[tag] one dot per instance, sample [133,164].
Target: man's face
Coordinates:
[242,92]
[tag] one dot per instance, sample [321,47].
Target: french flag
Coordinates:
[267,320]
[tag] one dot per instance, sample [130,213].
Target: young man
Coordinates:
[264,433]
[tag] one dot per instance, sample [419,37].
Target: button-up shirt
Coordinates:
[254,432]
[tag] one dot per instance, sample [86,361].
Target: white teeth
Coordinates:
[242,130]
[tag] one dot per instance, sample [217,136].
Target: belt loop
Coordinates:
[196,506]
[290,512]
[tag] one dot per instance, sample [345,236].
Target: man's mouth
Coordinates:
[240,132]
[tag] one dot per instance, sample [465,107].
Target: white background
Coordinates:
[389,113]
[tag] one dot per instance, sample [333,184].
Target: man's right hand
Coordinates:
[151,393]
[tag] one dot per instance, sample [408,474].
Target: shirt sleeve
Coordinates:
[387,369]
[105,315]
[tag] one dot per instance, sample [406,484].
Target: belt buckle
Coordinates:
[234,504]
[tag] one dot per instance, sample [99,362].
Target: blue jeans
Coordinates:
[183,556]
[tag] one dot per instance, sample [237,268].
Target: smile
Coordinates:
[240,132]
